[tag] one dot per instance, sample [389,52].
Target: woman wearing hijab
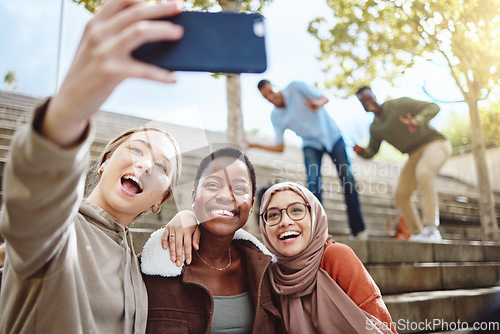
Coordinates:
[323,286]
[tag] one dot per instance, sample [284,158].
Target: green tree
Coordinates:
[457,130]
[235,128]
[458,125]
[368,39]
[90,5]
[490,118]
[10,80]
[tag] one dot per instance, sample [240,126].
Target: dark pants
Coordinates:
[312,159]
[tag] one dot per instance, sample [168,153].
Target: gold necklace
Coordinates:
[208,264]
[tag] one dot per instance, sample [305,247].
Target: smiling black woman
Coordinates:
[226,287]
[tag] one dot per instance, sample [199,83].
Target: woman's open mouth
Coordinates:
[132,184]
[288,235]
[224,212]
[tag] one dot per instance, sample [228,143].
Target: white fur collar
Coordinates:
[156,261]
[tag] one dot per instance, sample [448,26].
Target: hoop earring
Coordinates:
[157,211]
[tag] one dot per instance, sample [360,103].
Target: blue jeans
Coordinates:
[312,160]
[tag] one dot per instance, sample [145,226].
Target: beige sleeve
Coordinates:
[43,187]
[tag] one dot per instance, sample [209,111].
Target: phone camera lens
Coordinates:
[258,28]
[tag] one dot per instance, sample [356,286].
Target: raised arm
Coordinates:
[417,113]
[313,98]
[426,111]
[315,104]
[268,147]
[103,60]
[45,172]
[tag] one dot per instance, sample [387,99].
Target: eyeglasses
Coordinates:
[296,211]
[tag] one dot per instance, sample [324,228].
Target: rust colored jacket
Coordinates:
[180,303]
[342,264]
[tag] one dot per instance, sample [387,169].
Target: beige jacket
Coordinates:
[67,270]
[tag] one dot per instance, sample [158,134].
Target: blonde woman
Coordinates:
[70,266]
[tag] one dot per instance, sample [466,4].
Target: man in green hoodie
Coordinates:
[404,123]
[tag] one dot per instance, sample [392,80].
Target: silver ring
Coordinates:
[172,235]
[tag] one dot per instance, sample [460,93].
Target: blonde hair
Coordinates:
[175,175]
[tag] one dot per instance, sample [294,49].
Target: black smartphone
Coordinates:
[221,42]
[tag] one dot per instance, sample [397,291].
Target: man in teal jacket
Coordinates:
[404,123]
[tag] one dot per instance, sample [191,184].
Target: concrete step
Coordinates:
[18,101]
[460,231]
[432,287]
[388,251]
[4,152]
[392,279]
[426,312]
[7,130]
[4,140]
[15,116]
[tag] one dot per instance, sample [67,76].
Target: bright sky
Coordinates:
[29,44]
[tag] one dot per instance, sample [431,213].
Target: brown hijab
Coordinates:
[311,301]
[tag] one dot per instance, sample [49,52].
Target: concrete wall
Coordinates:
[462,167]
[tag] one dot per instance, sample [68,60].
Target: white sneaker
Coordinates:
[363,235]
[428,234]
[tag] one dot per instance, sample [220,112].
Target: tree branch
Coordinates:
[424,89]
[453,74]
